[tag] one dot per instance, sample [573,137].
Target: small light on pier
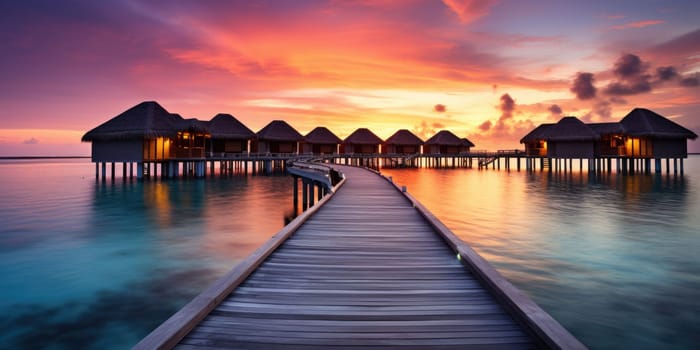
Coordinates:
[459,257]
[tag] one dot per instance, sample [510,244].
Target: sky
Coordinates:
[486,70]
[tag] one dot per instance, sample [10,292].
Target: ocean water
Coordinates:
[615,259]
[86,264]
[92,265]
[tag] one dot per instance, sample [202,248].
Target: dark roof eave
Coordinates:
[571,139]
[664,135]
[122,136]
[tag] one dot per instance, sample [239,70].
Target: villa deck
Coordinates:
[370,267]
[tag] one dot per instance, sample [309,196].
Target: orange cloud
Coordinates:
[638,24]
[469,10]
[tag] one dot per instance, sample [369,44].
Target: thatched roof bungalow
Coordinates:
[445,142]
[228,135]
[641,134]
[144,132]
[570,138]
[402,142]
[278,137]
[361,141]
[650,135]
[321,141]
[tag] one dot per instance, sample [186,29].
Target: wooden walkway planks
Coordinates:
[365,271]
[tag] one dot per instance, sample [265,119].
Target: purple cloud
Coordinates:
[691,81]
[555,110]
[583,86]
[666,73]
[629,66]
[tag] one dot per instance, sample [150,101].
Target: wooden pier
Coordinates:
[367,266]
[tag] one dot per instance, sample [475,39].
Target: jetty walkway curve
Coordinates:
[369,267]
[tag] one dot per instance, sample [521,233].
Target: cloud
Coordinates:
[469,10]
[31,141]
[507,106]
[600,112]
[425,130]
[506,125]
[583,86]
[632,76]
[555,110]
[637,24]
[670,73]
[629,66]
[485,126]
[603,110]
[666,73]
[625,89]
[440,108]
[683,47]
[618,100]
[691,80]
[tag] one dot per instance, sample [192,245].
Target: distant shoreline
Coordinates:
[42,157]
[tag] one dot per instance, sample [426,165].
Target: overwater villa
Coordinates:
[278,137]
[445,142]
[146,133]
[402,142]
[321,141]
[361,141]
[642,135]
[228,136]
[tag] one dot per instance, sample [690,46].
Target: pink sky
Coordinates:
[486,70]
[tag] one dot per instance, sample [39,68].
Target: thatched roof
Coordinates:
[279,130]
[537,133]
[404,137]
[147,119]
[192,125]
[321,135]
[466,142]
[363,136]
[643,122]
[570,129]
[226,126]
[444,138]
[606,128]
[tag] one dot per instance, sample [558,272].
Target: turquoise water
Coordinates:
[613,258]
[99,265]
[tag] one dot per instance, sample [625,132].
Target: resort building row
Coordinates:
[148,132]
[151,137]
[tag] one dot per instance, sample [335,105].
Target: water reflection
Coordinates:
[118,256]
[612,257]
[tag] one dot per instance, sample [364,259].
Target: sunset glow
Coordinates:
[486,70]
